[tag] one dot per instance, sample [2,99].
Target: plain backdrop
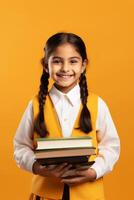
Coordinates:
[107,29]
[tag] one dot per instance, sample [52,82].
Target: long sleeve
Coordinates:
[108,141]
[23,144]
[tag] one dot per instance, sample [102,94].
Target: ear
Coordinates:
[46,69]
[84,64]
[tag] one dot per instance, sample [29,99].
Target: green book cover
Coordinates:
[59,149]
[65,138]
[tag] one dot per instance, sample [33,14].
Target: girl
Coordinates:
[64,111]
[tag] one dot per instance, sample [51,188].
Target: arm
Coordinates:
[23,144]
[108,141]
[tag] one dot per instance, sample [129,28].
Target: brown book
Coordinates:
[76,160]
[64,152]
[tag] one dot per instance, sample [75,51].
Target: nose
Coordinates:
[65,67]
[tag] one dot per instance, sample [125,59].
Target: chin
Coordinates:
[65,84]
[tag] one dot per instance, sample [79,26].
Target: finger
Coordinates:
[44,171]
[51,166]
[90,174]
[70,172]
[60,167]
[82,167]
[72,181]
[81,172]
[42,168]
[65,169]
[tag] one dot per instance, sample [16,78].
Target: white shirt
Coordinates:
[67,107]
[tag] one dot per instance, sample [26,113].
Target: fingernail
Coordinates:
[65,164]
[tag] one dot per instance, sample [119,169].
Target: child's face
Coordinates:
[65,67]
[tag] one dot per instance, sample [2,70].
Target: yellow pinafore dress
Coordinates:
[51,189]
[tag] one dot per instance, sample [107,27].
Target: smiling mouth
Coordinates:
[65,75]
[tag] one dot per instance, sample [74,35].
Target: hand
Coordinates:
[51,171]
[78,176]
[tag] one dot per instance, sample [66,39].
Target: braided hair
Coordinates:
[85,118]
[52,43]
[40,125]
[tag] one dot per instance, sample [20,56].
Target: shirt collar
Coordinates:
[73,95]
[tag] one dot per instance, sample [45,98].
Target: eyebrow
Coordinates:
[54,57]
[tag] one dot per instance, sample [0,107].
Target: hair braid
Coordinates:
[85,117]
[40,126]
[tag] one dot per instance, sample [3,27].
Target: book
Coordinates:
[68,142]
[73,150]
[76,160]
[64,152]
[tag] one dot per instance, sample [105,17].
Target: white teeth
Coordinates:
[64,75]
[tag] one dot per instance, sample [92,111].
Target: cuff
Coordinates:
[98,170]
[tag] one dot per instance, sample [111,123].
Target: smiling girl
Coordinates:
[66,110]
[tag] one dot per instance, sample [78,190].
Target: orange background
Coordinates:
[107,29]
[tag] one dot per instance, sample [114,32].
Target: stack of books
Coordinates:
[74,150]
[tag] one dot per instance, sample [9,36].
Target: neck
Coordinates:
[64,89]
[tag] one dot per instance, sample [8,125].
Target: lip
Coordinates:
[65,76]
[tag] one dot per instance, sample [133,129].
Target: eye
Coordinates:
[56,61]
[73,61]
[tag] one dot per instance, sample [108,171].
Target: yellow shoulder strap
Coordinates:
[92,104]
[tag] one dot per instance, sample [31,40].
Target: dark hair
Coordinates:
[52,43]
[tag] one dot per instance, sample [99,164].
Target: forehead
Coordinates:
[66,50]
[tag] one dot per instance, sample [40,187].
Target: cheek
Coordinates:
[53,70]
[78,71]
